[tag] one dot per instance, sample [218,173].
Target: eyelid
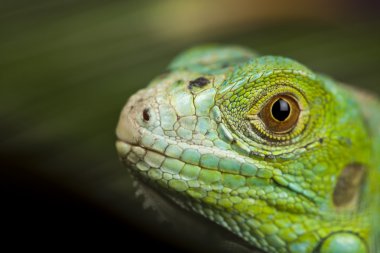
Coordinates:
[272,130]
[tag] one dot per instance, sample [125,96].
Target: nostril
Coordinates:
[146,114]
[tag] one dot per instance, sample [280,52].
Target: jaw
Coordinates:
[184,225]
[236,207]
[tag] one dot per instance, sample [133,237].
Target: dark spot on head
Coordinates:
[146,114]
[349,186]
[321,140]
[199,82]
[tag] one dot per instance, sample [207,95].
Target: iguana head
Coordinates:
[263,146]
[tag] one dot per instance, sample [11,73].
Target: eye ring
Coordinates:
[280,114]
[284,125]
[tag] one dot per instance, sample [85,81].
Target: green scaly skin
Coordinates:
[195,135]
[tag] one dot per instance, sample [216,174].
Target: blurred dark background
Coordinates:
[68,67]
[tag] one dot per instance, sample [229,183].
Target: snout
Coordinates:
[138,114]
[127,129]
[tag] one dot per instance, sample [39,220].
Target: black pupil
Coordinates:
[281,110]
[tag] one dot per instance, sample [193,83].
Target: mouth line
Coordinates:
[139,152]
[138,148]
[134,156]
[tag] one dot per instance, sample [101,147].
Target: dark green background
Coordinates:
[67,68]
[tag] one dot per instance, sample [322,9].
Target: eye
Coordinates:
[280,114]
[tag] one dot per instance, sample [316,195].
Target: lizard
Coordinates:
[281,156]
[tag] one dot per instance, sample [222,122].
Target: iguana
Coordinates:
[286,159]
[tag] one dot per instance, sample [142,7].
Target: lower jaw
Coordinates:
[133,156]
